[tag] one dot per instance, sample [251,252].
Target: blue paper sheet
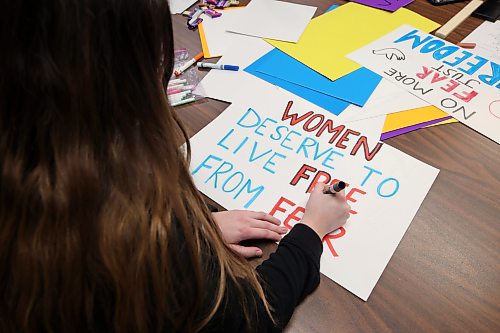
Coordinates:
[355,87]
[332,7]
[332,104]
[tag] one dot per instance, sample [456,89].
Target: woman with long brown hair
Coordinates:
[101,226]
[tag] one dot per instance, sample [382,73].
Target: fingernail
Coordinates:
[258,253]
[283,230]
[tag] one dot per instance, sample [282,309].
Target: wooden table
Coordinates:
[445,273]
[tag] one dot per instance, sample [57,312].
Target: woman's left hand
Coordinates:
[240,225]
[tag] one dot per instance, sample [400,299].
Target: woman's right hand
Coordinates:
[326,212]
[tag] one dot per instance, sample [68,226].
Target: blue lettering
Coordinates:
[233,181]
[473,67]
[371,171]
[238,182]
[221,142]
[253,157]
[444,52]
[287,138]
[458,60]
[396,187]
[491,79]
[417,41]
[219,171]
[305,144]
[270,162]
[247,186]
[204,164]
[316,151]
[432,45]
[263,125]
[329,158]
[241,145]
[250,112]
[278,133]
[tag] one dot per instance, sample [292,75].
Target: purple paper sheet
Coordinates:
[391,134]
[389,5]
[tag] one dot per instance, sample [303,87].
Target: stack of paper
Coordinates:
[272,19]
[178,6]
[411,120]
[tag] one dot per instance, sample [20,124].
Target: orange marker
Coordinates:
[188,64]
[467,45]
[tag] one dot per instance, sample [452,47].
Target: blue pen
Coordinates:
[218,66]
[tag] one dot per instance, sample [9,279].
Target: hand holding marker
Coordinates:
[335,188]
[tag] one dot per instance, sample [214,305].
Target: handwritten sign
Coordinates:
[389,5]
[266,154]
[464,85]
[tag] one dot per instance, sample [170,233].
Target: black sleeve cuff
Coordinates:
[307,239]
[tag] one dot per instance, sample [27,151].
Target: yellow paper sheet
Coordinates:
[329,37]
[397,120]
[204,45]
[444,122]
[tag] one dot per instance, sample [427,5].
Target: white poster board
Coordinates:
[457,81]
[178,6]
[278,20]
[264,153]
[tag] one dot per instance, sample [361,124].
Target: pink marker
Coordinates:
[173,91]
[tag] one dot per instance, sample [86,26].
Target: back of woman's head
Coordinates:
[101,227]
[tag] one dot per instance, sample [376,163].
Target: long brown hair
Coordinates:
[101,226]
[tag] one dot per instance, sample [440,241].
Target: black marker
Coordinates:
[335,188]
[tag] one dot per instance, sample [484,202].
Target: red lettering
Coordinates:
[337,130]
[425,73]
[369,155]
[467,96]
[293,216]
[302,174]
[297,215]
[277,207]
[437,78]
[310,120]
[344,137]
[349,197]
[317,179]
[328,239]
[329,125]
[294,116]
[450,86]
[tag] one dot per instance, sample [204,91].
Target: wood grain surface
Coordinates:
[445,273]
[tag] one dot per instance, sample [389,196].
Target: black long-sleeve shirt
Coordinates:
[289,275]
